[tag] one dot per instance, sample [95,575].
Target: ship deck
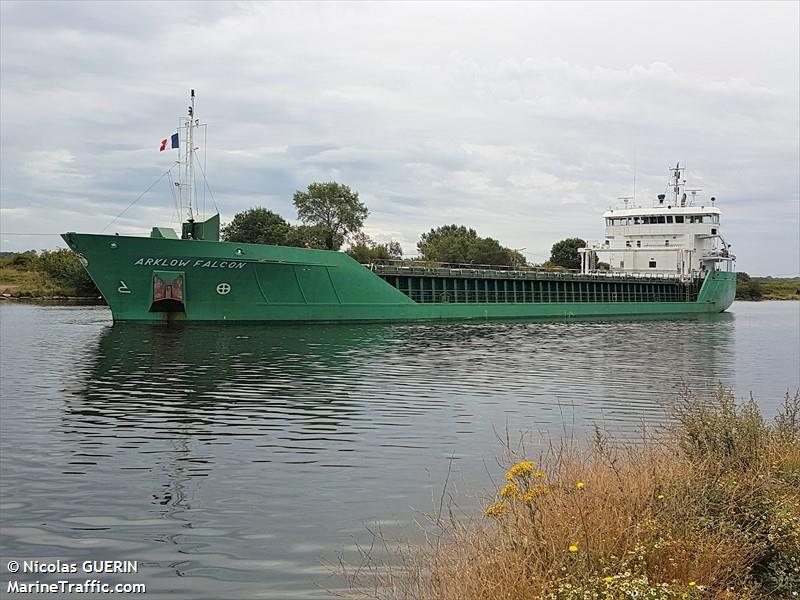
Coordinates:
[446,283]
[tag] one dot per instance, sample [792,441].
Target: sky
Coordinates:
[525,121]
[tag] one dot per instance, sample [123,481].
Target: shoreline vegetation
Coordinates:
[49,275]
[708,508]
[57,275]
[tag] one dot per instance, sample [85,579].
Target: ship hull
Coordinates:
[155,279]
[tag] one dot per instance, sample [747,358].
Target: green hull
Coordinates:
[162,279]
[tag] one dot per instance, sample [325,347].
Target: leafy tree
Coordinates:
[258,226]
[332,207]
[64,267]
[458,244]
[747,288]
[24,261]
[565,253]
[365,250]
[309,236]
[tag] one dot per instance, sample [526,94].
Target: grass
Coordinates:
[773,288]
[25,283]
[708,509]
[49,273]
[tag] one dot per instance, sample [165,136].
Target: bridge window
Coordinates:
[652,264]
[669,218]
[636,220]
[662,219]
[707,219]
[679,218]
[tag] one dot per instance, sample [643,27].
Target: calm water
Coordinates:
[235,461]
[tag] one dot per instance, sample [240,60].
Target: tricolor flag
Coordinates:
[173,142]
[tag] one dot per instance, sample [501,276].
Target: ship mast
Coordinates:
[186,186]
[677,184]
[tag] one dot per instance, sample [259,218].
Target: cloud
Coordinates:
[522,120]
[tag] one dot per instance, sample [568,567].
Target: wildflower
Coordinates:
[538,474]
[608,579]
[532,493]
[580,485]
[661,496]
[573,548]
[692,583]
[495,510]
[522,468]
[510,490]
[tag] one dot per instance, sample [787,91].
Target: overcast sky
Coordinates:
[521,120]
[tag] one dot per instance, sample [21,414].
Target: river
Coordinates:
[239,461]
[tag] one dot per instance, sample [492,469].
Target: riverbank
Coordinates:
[709,509]
[767,288]
[46,275]
[776,288]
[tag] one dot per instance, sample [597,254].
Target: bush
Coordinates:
[708,509]
[747,288]
[64,268]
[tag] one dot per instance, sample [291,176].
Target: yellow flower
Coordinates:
[510,490]
[538,474]
[495,510]
[661,496]
[580,485]
[522,468]
[608,579]
[573,548]
[532,493]
[692,583]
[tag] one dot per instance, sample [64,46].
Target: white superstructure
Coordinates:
[677,235]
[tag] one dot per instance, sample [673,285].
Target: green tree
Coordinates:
[309,236]
[565,253]
[365,250]
[258,226]
[458,244]
[64,267]
[747,288]
[332,207]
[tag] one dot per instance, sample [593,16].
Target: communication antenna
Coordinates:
[677,183]
[626,199]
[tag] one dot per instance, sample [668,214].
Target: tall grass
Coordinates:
[708,509]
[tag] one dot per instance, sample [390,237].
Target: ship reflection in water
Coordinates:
[234,460]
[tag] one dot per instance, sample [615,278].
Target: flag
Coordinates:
[173,142]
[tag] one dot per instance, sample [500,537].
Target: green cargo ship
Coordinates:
[668,259]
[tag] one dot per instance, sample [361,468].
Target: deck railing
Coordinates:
[439,269]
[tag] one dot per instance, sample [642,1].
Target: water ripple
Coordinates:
[232,460]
